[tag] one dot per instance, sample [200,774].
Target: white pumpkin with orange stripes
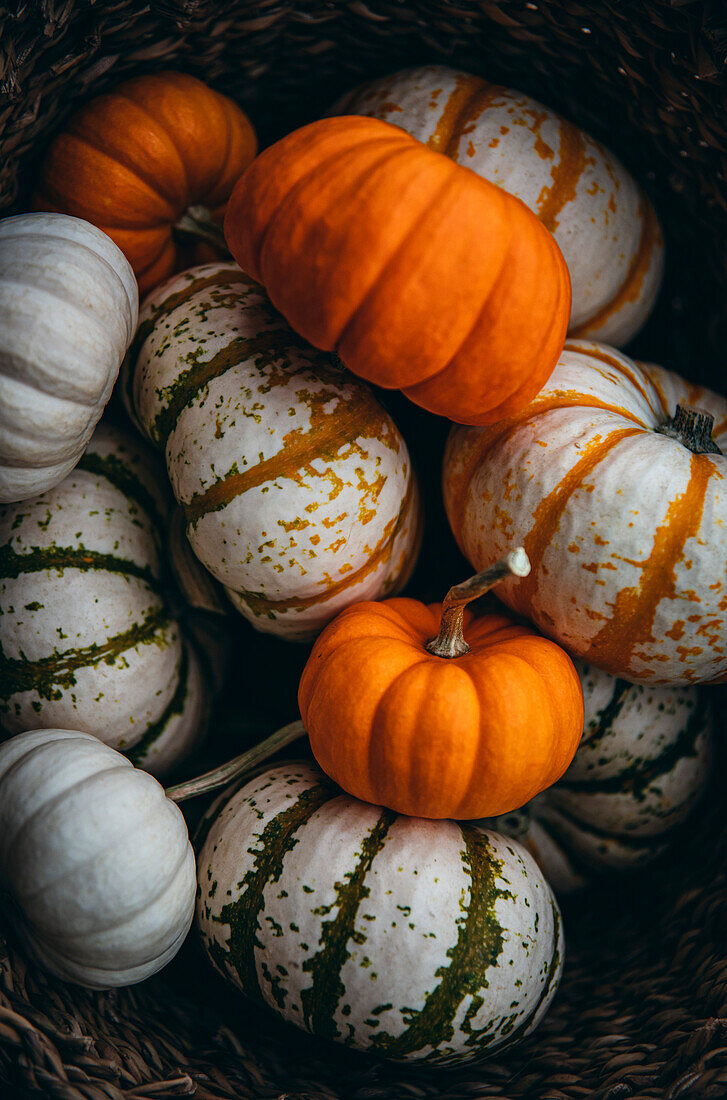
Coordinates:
[602,220]
[296,485]
[614,482]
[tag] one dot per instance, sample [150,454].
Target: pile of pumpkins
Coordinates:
[434,234]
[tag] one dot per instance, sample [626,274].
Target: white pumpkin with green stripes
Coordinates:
[639,771]
[87,640]
[416,940]
[296,485]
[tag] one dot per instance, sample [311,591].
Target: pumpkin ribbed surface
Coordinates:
[296,485]
[87,641]
[415,939]
[96,860]
[624,526]
[602,220]
[133,160]
[642,1008]
[436,737]
[69,307]
[421,275]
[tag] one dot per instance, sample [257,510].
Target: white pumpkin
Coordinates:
[602,220]
[418,940]
[619,500]
[641,768]
[87,639]
[296,485]
[95,859]
[198,587]
[69,305]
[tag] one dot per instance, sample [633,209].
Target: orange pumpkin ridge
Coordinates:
[419,273]
[135,160]
[600,217]
[401,711]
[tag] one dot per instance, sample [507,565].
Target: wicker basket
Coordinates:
[642,1010]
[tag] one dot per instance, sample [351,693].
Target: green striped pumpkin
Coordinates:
[640,769]
[296,485]
[413,939]
[87,641]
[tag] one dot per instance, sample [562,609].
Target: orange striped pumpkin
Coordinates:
[297,488]
[624,526]
[603,221]
[135,160]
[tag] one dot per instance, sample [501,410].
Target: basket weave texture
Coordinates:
[642,1010]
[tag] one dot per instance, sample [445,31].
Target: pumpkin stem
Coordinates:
[196,223]
[450,640]
[220,777]
[693,429]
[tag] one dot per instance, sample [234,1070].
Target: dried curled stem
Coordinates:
[450,642]
[226,773]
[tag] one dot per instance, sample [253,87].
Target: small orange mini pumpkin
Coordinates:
[420,274]
[159,153]
[439,728]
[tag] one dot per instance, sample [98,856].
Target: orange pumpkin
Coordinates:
[420,274]
[441,728]
[600,217]
[134,161]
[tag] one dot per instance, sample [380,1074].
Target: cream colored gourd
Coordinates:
[69,305]
[620,503]
[198,587]
[96,860]
[96,868]
[602,220]
[296,485]
[87,638]
[641,768]
[418,940]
